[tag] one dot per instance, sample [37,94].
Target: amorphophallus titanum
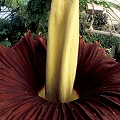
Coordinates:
[23,70]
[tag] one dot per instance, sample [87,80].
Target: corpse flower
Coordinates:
[79,81]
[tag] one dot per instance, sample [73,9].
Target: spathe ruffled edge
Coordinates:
[97,83]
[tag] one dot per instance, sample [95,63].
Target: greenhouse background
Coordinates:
[18,17]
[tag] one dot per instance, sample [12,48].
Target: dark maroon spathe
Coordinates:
[22,75]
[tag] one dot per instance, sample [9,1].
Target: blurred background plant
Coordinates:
[100,23]
[24,15]
[38,15]
[34,15]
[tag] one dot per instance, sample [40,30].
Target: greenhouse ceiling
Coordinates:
[5,12]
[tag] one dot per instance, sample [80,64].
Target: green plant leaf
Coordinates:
[116,6]
[5,43]
[15,4]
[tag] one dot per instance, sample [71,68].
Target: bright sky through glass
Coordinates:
[4,12]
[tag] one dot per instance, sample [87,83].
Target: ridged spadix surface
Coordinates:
[63,42]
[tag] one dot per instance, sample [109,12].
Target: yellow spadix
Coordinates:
[63,42]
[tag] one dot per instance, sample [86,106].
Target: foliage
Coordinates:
[4,24]
[4,29]
[18,27]
[35,16]
[100,23]
[117,52]
[14,27]
[6,43]
[38,15]
[14,4]
[105,41]
[100,20]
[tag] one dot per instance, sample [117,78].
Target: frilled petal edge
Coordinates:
[97,83]
[22,74]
